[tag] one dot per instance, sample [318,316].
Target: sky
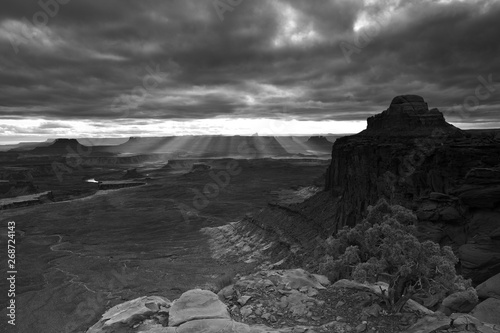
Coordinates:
[118,68]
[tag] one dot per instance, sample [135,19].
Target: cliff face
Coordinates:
[450,178]
[409,155]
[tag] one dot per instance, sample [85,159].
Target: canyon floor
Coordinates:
[79,256]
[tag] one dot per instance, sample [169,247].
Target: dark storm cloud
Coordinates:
[177,59]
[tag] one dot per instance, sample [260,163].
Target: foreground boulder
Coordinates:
[480,258]
[489,288]
[430,323]
[488,311]
[283,301]
[461,301]
[131,313]
[197,304]
[466,322]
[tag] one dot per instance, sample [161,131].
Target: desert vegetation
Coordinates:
[384,247]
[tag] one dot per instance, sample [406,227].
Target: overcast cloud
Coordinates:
[146,61]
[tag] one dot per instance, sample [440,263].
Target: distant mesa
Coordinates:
[65,142]
[409,115]
[141,145]
[318,139]
[61,147]
[319,143]
[24,146]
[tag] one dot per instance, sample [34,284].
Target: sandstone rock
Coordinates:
[375,288]
[297,278]
[220,326]
[360,328]
[429,323]
[130,313]
[449,214]
[197,304]
[480,259]
[467,323]
[415,101]
[246,310]
[489,288]
[297,303]
[462,319]
[495,234]
[428,206]
[150,326]
[484,222]
[483,176]
[311,292]
[488,311]
[322,279]
[244,299]
[416,307]
[462,301]
[480,196]
[437,196]
[226,292]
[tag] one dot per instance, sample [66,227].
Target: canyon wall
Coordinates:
[410,156]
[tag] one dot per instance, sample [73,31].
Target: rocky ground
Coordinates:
[285,301]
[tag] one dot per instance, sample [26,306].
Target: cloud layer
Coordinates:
[338,60]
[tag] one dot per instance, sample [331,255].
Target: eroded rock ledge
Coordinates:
[290,301]
[26,200]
